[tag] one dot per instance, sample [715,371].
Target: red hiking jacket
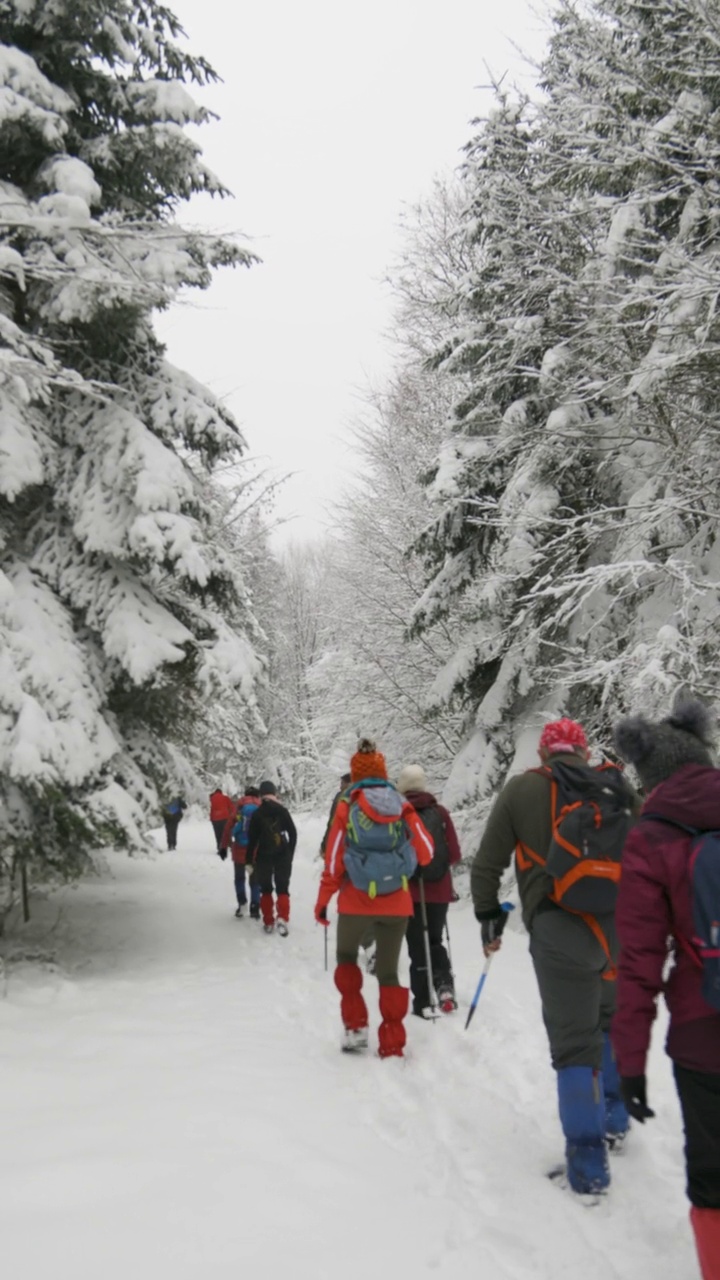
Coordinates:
[351,900]
[436,890]
[655,910]
[221,806]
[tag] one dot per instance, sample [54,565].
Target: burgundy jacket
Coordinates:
[436,890]
[654,912]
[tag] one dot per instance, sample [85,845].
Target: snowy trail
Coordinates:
[175,1103]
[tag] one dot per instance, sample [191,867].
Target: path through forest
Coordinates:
[175,1104]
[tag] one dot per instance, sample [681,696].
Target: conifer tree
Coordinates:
[576,524]
[122,611]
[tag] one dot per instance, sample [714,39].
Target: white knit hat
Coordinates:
[412,778]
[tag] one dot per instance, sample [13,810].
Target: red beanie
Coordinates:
[367,762]
[563,735]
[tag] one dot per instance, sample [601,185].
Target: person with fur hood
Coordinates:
[670,890]
[435,884]
[373,846]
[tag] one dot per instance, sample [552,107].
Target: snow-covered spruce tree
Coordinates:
[504,465]
[642,608]
[121,612]
[370,676]
[579,529]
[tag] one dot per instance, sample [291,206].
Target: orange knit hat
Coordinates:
[367,762]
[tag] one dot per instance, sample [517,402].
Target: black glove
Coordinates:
[222,853]
[322,914]
[634,1095]
[491,929]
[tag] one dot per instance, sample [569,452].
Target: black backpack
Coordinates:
[592,813]
[434,822]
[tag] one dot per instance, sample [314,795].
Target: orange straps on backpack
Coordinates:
[610,974]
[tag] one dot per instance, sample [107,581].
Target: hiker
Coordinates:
[172,817]
[367,942]
[374,844]
[221,808]
[437,891]
[271,844]
[238,838]
[567,907]
[344,782]
[670,890]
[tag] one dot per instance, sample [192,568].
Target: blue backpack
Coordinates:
[704,947]
[241,830]
[379,857]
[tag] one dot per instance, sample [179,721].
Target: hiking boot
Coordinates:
[254,911]
[269,928]
[354,1041]
[282,928]
[238,914]
[446,1000]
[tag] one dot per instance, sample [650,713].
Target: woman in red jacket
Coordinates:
[438,892]
[370,793]
[655,903]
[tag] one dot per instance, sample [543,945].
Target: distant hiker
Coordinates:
[344,782]
[670,892]
[239,836]
[567,902]
[374,844]
[438,892]
[172,817]
[221,808]
[271,844]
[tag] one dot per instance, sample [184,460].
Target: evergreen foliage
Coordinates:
[122,606]
[576,523]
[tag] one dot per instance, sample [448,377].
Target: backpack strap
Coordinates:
[671,822]
[595,927]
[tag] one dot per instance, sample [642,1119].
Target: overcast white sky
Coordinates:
[331,118]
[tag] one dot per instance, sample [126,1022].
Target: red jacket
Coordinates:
[436,890]
[353,901]
[655,908]
[221,806]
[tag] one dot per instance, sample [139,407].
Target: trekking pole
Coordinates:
[447,935]
[506,906]
[426,937]
[478,990]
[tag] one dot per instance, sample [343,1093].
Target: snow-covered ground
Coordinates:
[175,1105]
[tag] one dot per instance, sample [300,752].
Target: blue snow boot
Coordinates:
[617,1120]
[582,1115]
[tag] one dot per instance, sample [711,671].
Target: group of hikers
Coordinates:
[261,837]
[613,883]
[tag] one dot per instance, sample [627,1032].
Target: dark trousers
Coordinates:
[240,890]
[272,872]
[577,1002]
[352,933]
[171,828]
[700,1103]
[219,825]
[441,971]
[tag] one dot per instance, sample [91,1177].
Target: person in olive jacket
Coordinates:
[572,955]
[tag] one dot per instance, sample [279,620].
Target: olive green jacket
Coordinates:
[520,817]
